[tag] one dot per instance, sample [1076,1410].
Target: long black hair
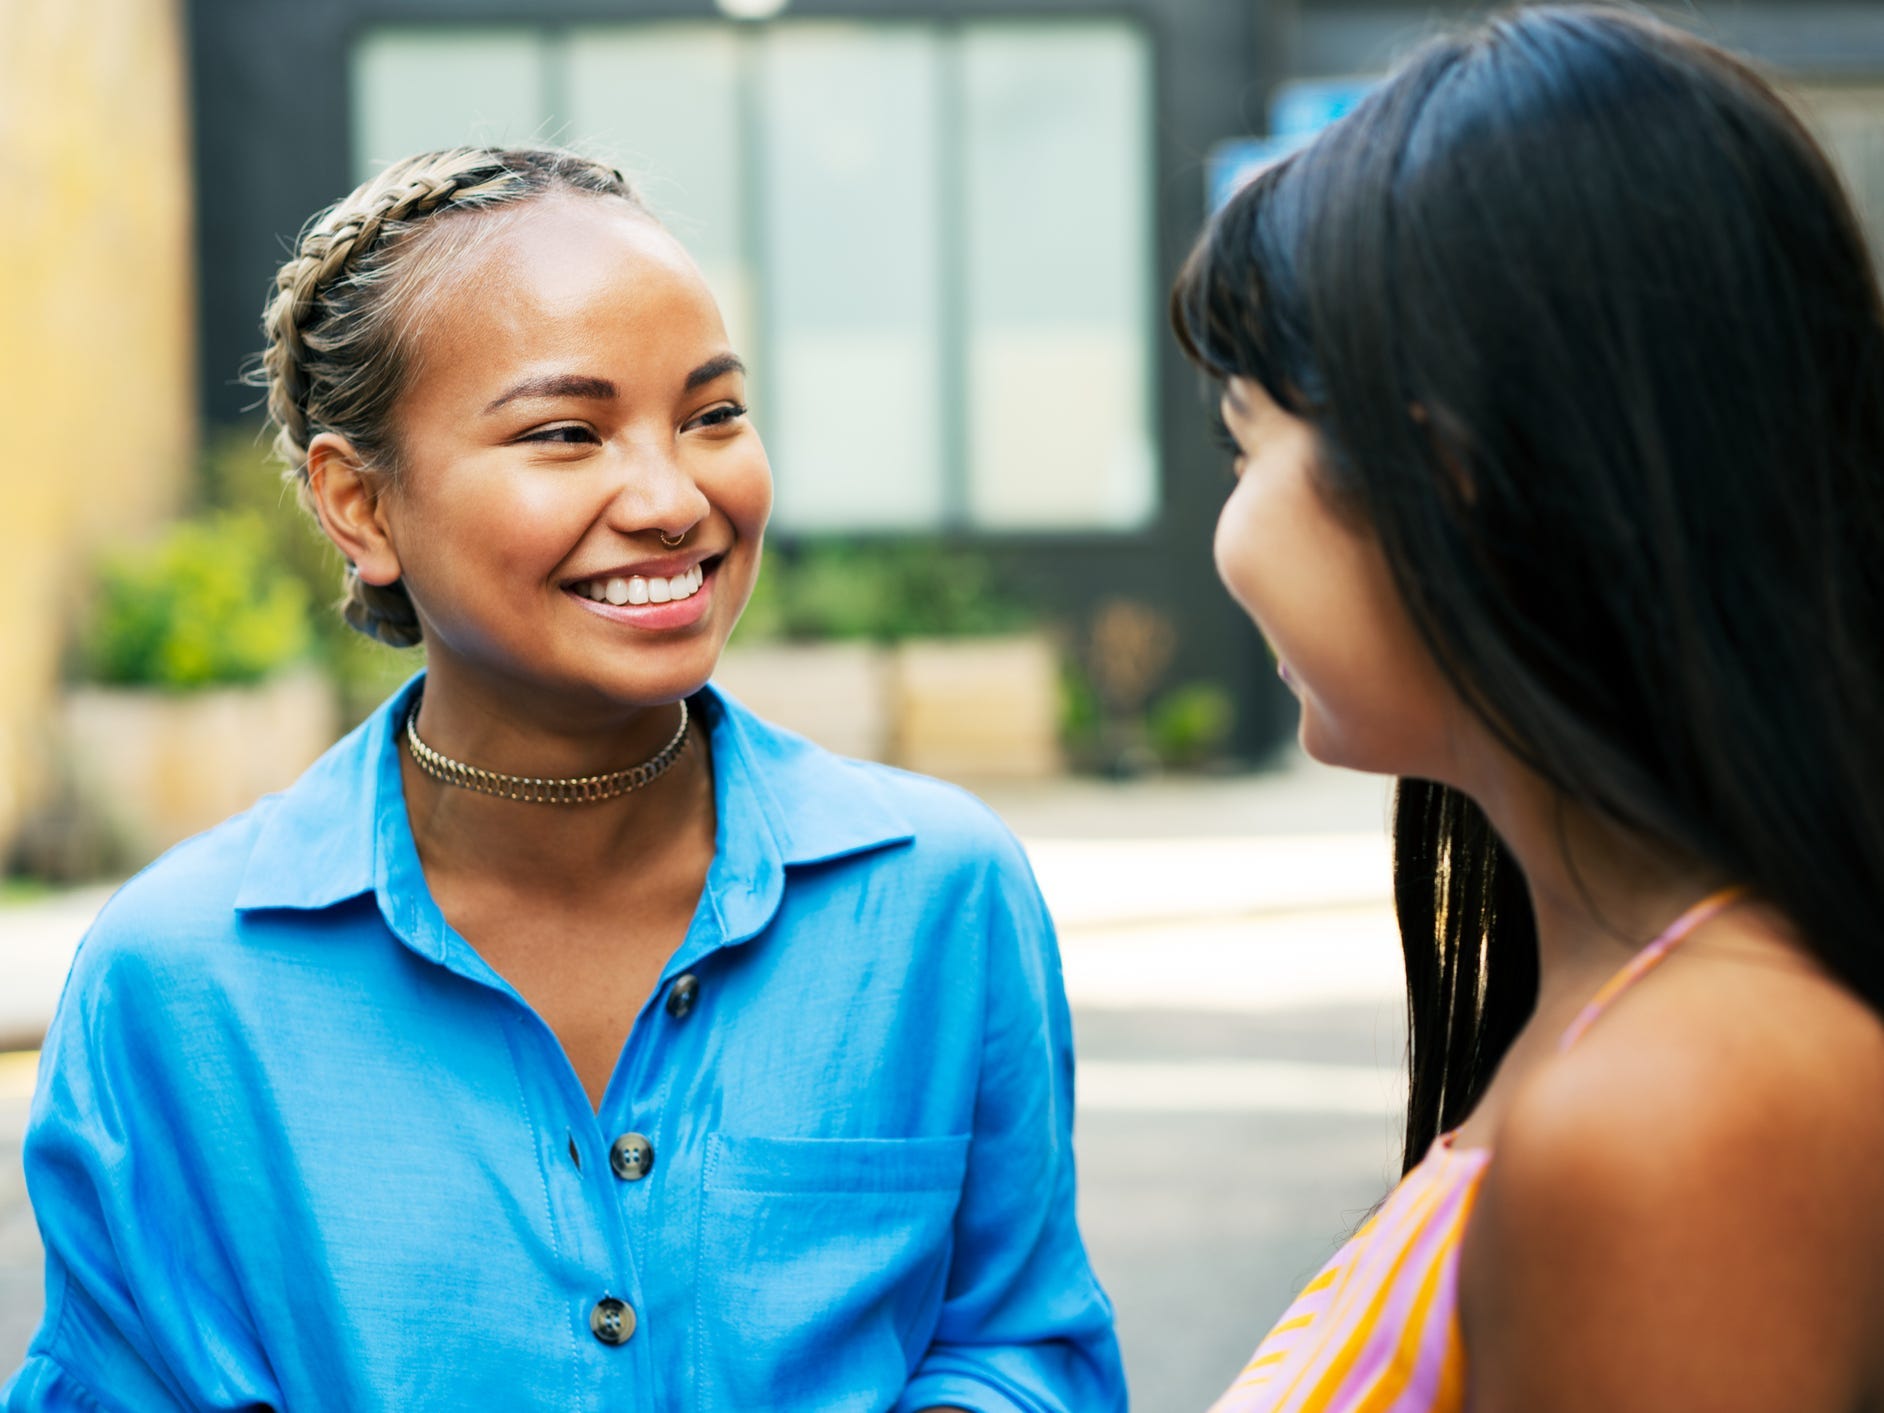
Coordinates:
[1589,334]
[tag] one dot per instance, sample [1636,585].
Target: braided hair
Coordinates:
[339,321]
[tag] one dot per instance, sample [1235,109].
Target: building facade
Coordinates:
[942,230]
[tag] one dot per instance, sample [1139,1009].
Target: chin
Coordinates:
[1320,742]
[632,682]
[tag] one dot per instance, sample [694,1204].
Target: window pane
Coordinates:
[849,215]
[1059,268]
[419,89]
[662,103]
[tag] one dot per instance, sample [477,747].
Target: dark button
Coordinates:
[681,997]
[632,1157]
[612,1321]
[575,1153]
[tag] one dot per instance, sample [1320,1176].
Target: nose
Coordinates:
[656,493]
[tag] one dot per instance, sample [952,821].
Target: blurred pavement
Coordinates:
[1230,955]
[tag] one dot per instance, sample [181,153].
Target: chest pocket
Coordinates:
[822,1264]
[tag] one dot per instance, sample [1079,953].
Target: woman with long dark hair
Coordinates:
[1555,377]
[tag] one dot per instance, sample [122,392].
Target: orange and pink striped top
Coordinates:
[1377,1331]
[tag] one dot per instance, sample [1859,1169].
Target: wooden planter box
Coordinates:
[978,708]
[962,708]
[157,767]
[835,693]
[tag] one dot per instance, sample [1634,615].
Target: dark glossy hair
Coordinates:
[1593,346]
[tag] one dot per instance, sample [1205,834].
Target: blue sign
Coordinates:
[1303,108]
[1233,162]
[1297,112]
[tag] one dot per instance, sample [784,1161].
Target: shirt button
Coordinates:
[632,1157]
[612,1321]
[681,997]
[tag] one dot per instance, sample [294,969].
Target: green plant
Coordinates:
[17,890]
[205,604]
[1191,724]
[237,471]
[880,591]
[1082,717]
[763,618]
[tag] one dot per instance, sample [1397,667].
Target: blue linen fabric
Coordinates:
[296,1146]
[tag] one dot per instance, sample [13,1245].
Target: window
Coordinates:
[473,86]
[851,225]
[934,243]
[1057,212]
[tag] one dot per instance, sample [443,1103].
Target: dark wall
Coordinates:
[272,147]
[1822,38]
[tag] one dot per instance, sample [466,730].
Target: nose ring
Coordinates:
[676,542]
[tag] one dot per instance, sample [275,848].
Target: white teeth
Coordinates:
[639,590]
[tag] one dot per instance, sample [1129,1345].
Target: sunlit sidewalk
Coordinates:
[1243,894]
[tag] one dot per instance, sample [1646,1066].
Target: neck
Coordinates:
[548,845]
[1599,892]
[541,790]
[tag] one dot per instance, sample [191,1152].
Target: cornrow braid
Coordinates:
[337,324]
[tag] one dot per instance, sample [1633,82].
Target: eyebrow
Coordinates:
[557,385]
[601,390]
[714,368]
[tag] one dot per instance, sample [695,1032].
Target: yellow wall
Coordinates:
[97,361]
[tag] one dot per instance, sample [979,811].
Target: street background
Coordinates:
[942,232]
[1235,978]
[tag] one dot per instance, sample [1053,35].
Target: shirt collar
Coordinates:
[341,830]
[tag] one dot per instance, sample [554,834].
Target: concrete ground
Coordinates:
[1230,956]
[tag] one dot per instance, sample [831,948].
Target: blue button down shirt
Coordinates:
[296,1145]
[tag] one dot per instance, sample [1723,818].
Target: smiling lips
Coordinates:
[635,589]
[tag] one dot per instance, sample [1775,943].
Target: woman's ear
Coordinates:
[348,496]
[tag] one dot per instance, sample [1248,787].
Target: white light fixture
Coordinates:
[751,9]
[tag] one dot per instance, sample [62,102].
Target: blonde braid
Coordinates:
[326,246]
[334,358]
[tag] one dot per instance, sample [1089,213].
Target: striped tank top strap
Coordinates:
[1648,958]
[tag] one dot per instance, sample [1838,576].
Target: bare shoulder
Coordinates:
[1711,1064]
[1682,1210]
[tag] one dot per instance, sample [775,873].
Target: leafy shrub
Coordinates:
[238,472]
[884,592]
[1190,725]
[207,604]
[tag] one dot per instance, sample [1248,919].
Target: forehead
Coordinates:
[565,280]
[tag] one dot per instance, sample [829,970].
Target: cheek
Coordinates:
[470,533]
[740,486]
[1257,552]
[1232,549]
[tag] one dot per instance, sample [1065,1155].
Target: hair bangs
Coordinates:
[1232,306]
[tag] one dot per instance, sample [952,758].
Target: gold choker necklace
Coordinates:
[530,789]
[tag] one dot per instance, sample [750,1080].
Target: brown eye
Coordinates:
[722,416]
[571,434]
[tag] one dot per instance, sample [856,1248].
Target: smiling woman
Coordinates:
[683,1064]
